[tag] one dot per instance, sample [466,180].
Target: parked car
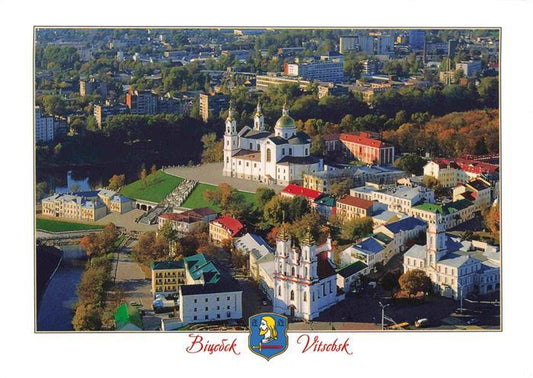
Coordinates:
[473,321]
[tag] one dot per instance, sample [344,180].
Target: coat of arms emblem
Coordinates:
[268,334]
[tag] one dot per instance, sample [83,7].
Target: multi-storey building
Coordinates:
[329,69]
[188,221]
[85,206]
[366,44]
[225,228]
[90,86]
[141,102]
[398,198]
[167,276]
[417,39]
[452,213]
[470,68]
[263,82]
[44,126]
[477,190]
[350,207]
[212,104]
[451,172]
[103,112]
[385,45]
[347,43]
[304,279]
[209,293]
[368,150]
[456,267]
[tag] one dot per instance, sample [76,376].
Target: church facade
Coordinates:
[281,157]
[304,278]
[456,267]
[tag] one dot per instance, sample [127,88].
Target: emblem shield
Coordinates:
[268,334]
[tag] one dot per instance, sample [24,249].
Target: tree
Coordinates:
[411,163]
[40,189]
[263,195]
[87,318]
[213,150]
[150,248]
[116,182]
[389,281]
[341,188]
[489,92]
[309,222]
[90,244]
[153,171]
[354,229]
[414,281]
[142,176]
[492,219]
[277,210]
[54,104]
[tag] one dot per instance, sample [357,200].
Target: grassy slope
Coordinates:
[196,199]
[57,226]
[155,190]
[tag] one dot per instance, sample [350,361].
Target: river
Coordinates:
[59,298]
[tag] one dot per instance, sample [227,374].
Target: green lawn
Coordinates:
[58,226]
[155,190]
[196,199]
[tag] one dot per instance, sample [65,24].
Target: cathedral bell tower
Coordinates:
[436,241]
[231,142]
[259,119]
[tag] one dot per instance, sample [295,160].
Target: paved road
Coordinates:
[130,279]
[127,220]
[212,174]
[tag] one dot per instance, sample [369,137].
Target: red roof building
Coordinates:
[225,227]
[350,207]
[368,150]
[294,190]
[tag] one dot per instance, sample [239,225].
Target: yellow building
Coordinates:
[352,207]
[167,276]
[224,228]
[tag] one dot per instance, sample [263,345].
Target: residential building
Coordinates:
[325,205]
[263,82]
[225,228]
[347,43]
[128,318]
[371,251]
[304,279]
[272,158]
[399,198]
[141,102]
[330,89]
[292,191]
[167,276]
[348,277]
[44,126]
[385,45]
[90,86]
[212,104]
[476,190]
[330,69]
[349,208]
[187,221]
[470,68]
[368,150]
[120,204]
[209,293]
[356,175]
[401,232]
[417,39]
[366,44]
[451,213]
[451,172]
[455,267]
[103,112]
[370,67]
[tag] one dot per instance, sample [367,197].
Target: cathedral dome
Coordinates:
[285,121]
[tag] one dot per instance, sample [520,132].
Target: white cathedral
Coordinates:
[272,158]
[456,267]
[304,278]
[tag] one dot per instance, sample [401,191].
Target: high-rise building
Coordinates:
[417,39]
[347,43]
[329,68]
[88,87]
[44,126]
[103,112]
[470,68]
[366,44]
[385,45]
[211,105]
[141,102]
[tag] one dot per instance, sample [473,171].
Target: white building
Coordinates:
[470,68]
[304,279]
[398,198]
[455,267]
[209,293]
[273,158]
[44,126]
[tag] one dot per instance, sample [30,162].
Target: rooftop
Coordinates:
[356,202]
[444,209]
[296,190]
[363,140]
[231,224]
[351,269]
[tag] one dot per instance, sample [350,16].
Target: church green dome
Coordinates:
[285,122]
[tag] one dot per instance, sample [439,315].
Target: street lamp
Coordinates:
[383,314]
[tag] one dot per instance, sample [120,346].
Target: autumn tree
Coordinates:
[142,175]
[354,229]
[414,281]
[116,182]
[263,195]
[213,150]
[150,248]
[153,172]
[492,219]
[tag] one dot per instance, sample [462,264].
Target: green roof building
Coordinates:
[127,318]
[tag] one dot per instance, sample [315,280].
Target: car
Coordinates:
[473,321]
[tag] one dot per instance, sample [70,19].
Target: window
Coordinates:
[218,299]
[227,307]
[196,301]
[195,309]
[292,295]
[206,299]
[283,151]
[206,317]
[195,318]
[279,291]
[292,271]
[228,314]
[207,309]
[269,155]
[227,298]
[290,151]
[218,316]
[251,148]
[305,297]
[218,307]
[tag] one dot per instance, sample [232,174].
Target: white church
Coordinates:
[304,278]
[456,267]
[278,158]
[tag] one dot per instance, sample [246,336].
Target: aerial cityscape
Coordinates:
[191,178]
